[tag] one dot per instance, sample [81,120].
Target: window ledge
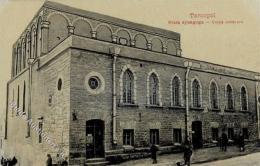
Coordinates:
[197,108]
[128,148]
[215,109]
[127,105]
[176,107]
[230,110]
[214,141]
[244,111]
[231,141]
[177,144]
[154,106]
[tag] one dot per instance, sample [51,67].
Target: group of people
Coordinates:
[8,161]
[223,142]
[187,149]
[60,161]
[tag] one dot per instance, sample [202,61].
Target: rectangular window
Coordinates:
[214,134]
[177,136]
[128,137]
[40,134]
[231,133]
[154,136]
[245,133]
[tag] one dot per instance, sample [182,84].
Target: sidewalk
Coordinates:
[199,156]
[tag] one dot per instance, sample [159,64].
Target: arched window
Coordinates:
[24,54]
[33,43]
[229,95]
[213,95]
[176,92]
[128,87]
[24,93]
[28,45]
[39,37]
[16,60]
[196,93]
[18,99]
[154,90]
[243,98]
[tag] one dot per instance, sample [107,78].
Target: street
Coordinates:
[248,160]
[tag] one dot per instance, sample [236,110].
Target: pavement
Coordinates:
[199,157]
[247,160]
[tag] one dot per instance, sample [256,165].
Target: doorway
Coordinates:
[95,139]
[197,134]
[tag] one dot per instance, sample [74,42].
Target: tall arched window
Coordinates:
[33,42]
[243,98]
[154,90]
[18,99]
[24,96]
[28,45]
[213,95]
[24,53]
[196,93]
[128,87]
[229,95]
[39,37]
[176,92]
[16,60]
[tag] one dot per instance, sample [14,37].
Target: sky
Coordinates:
[232,44]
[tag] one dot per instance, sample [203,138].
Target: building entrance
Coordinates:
[94,139]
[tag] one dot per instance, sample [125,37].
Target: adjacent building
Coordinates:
[98,86]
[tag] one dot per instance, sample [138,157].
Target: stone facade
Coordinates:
[75,84]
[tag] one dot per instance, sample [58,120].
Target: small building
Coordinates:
[89,85]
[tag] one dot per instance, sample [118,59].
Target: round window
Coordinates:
[93,83]
[59,84]
[259,99]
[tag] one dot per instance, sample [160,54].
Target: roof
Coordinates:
[112,20]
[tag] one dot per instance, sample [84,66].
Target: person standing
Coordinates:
[187,152]
[224,139]
[241,142]
[154,150]
[49,160]
[58,160]
[65,162]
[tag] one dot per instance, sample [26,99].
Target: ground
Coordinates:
[250,160]
[206,157]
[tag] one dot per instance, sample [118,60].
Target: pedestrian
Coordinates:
[187,151]
[13,161]
[224,139]
[65,162]
[58,160]
[49,160]
[241,142]
[154,150]
[220,143]
[2,160]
